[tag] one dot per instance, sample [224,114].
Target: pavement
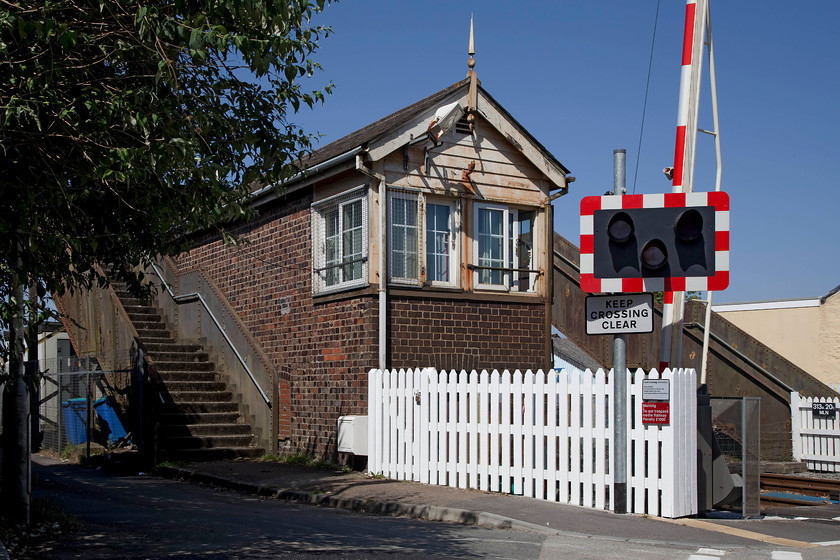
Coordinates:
[796,527]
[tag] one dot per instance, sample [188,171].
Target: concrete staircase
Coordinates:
[199,420]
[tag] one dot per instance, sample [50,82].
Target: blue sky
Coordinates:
[574,72]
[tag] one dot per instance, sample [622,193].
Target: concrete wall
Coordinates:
[806,332]
[829,339]
[792,331]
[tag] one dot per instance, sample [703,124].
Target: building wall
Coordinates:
[466,334]
[324,345]
[792,332]
[323,348]
[829,339]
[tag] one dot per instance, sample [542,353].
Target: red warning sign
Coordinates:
[656,413]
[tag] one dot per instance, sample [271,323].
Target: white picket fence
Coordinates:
[543,436]
[816,441]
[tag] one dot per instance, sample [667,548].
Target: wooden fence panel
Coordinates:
[545,436]
[816,439]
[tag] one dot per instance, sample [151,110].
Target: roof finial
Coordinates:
[471,51]
[473,91]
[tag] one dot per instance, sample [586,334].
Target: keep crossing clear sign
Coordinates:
[619,314]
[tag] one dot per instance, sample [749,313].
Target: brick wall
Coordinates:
[462,334]
[324,350]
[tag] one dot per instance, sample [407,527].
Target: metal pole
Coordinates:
[88,411]
[619,375]
[718,174]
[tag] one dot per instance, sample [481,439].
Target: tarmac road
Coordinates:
[150,517]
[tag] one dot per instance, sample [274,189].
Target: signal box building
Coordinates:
[423,239]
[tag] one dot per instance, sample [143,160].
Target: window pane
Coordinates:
[352,240]
[332,255]
[525,249]
[404,237]
[339,229]
[491,241]
[437,242]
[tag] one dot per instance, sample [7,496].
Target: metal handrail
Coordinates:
[186,298]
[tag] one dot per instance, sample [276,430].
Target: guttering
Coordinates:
[306,173]
[383,238]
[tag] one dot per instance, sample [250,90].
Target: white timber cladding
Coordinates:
[491,121]
[340,240]
[483,170]
[439,200]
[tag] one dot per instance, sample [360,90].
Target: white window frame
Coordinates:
[419,276]
[320,268]
[412,277]
[453,242]
[510,249]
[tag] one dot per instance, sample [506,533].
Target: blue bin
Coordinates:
[106,412]
[74,413]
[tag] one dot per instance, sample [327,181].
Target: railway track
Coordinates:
[791,486]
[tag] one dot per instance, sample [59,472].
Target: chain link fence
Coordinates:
[81,409]
[736,422]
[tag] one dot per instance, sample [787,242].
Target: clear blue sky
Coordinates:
[573,73]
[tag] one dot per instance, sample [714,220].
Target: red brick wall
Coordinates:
[325,349]
[462,334]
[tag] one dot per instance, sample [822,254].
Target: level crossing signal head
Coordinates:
[665,242]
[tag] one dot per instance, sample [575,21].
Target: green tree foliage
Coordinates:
[127,124]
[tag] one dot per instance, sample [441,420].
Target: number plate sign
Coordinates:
[824,410]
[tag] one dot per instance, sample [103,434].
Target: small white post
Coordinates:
[795,426]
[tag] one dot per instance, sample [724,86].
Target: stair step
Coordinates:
[180,357]
[193,442]
[143,315]
[203,430]
[170,346]
[200,396]
[128,300]
[193,386]
[199,407]
[211,454]
[178,418]
[154,334]
[181,376]
[201,422]
[149,326]
[184,366]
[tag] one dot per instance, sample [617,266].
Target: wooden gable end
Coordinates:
[484,166]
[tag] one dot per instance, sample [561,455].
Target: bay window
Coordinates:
[504,248]
[340,240]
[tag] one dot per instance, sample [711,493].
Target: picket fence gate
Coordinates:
[816,441]
[546,436]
